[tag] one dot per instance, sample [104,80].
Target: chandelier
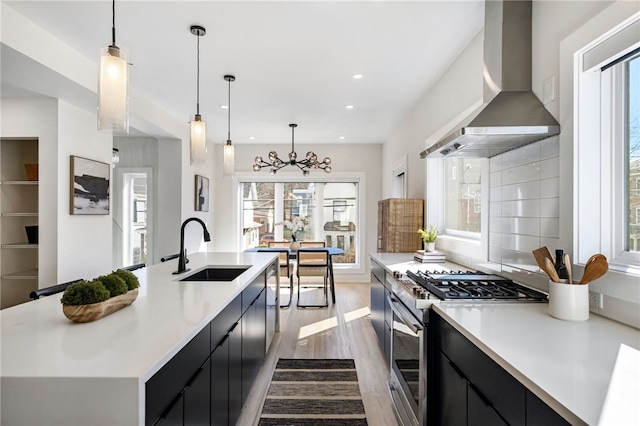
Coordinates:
[275,163]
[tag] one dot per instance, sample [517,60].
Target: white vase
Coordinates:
[430,246]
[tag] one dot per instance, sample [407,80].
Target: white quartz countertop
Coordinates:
[39,341]
[569,365]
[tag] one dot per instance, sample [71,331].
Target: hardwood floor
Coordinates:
[341,331]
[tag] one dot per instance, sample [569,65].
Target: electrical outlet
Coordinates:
[596,300]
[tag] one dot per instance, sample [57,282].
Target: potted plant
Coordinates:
[429,237]
[87,301]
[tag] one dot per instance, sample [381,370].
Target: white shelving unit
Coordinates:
[18,209]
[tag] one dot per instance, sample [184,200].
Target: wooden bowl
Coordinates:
[95,311]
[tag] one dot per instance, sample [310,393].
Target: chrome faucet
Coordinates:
[182,261]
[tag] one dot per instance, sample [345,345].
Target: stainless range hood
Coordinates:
[511,115]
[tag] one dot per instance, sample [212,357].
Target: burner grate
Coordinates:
[474,285]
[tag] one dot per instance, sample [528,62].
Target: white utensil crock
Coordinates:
[569,302]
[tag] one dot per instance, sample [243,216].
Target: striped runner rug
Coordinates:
[321,392]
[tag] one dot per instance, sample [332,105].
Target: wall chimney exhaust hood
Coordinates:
[511,115]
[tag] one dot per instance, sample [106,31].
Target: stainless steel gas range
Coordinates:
[413,294]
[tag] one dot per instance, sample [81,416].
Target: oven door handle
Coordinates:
[404,315]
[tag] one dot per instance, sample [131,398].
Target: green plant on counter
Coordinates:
[114,283]
[430,235]
[85,293]
[100,289]
[129,278]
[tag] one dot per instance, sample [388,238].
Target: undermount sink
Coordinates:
[217,273]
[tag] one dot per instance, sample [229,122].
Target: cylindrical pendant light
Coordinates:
[229,154]
[113,85]
[198,126]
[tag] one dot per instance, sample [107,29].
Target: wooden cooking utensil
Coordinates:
[540,254]
[596,267]
[567,264]
[550,270]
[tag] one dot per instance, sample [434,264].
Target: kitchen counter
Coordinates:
[568,365]
[58,370]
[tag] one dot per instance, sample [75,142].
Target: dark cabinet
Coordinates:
[162,389]
[253,342]
[197,397]
[470,388]
[451,392]
[380,310]
[174,414]
[207,382]
[235,374]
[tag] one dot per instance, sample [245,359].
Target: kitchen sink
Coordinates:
[217,273]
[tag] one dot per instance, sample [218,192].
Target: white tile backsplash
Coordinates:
[521,208]
[550,187]
[550,147]
[550,227]
[550,207]
[521,191]
[524,205]
[521,225]
[495,179]
[549,168]
[522,173]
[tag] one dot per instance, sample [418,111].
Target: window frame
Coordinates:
[599,145]
[359,267]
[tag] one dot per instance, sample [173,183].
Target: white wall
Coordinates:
[84,242]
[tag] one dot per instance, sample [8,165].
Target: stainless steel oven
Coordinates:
[413,295]
[408,378]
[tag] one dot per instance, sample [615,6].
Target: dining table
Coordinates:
[333,251]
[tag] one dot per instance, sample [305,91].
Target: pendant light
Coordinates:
[113,85]
[198,127]
[229,154]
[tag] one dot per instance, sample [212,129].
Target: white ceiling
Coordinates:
[293,60]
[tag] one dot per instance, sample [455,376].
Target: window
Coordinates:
[313,211]
[607,148]
[463,194]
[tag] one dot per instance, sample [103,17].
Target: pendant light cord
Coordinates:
[113,24]
[198,80]
[229,112]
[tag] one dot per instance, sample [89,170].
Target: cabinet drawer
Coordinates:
[378,271]
[252,291]
[501,390]
[224,321]
[169,381]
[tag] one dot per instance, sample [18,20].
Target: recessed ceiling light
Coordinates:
[357,76]
[224,106]
[349,106]
[341,137]
[252,138]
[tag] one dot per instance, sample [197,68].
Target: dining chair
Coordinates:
[314,262]
[287,266]
[312,244]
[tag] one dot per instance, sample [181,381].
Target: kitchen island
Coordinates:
[56,372]
[569,366]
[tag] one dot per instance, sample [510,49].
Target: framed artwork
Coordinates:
[202,194]
[89,186]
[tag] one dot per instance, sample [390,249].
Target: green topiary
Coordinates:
[115,284]
[85,293]
[129,278]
